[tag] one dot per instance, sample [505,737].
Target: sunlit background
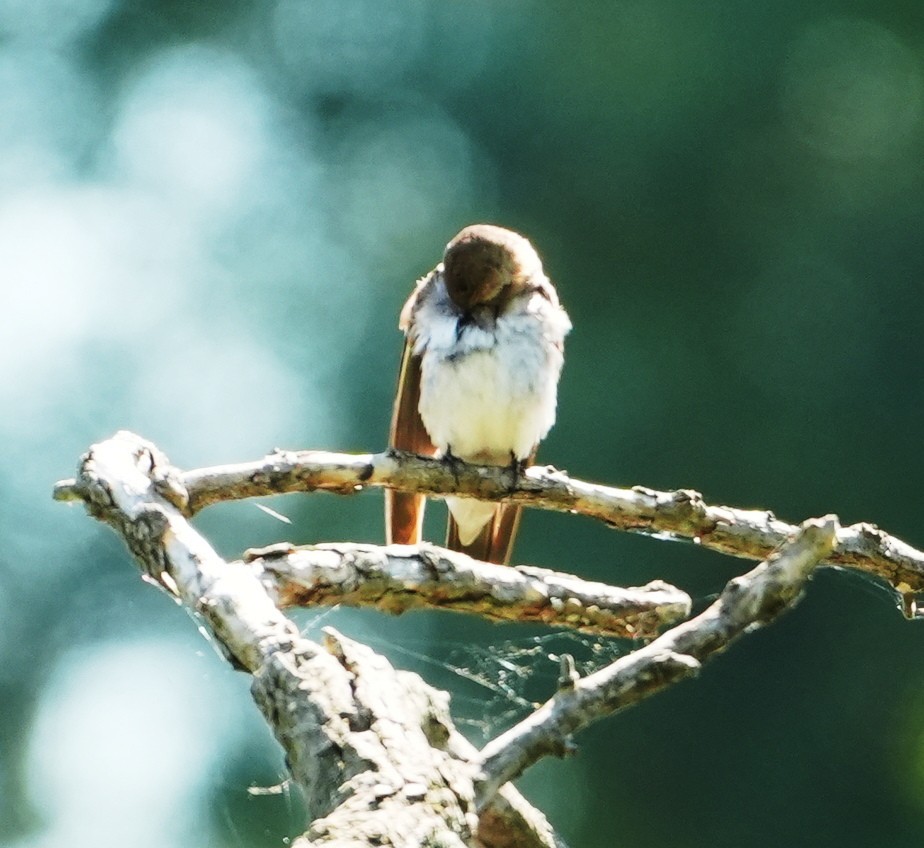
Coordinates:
[210,215]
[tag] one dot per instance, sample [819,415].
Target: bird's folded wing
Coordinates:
[403,511]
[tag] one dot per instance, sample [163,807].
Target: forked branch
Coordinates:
[374,748]
[754,598]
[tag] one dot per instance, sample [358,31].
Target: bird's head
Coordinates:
[487,265]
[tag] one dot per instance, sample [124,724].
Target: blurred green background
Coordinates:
[210,215]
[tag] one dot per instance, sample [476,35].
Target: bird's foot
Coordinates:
[516,469]
[453,463]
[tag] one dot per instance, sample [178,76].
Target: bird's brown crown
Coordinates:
[483,260]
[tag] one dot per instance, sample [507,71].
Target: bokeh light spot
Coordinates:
[50,113]
[51,21]
[413,173]
[851,88]
[201,391]
[192,126]
[125,739]
[76,261]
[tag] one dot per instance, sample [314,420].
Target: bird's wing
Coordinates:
[404,511]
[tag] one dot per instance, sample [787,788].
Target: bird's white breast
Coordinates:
[489,392]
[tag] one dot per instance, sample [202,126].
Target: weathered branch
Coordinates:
[373,749]
[679,515]
[752,599]
[397,578]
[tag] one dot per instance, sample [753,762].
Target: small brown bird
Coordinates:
[479,378]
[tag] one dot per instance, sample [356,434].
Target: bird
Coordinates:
[478,382]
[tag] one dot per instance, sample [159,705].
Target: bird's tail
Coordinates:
[494,543]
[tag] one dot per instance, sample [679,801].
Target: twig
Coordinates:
[747,601]
[399,577]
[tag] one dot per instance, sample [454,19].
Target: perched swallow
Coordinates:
[484,347]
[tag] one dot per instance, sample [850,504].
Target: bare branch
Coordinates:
[678,515]
[123,481]
[373,749]
[398,578]
[747,601]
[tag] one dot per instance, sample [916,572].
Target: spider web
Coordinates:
[505,681]
[493,684]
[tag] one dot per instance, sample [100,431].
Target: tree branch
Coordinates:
[373,749]
[398,578]
[678,515]
[752,599]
